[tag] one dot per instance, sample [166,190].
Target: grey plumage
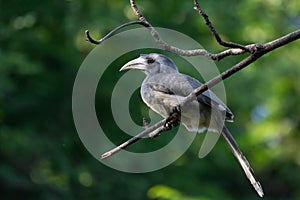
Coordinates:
[164,88]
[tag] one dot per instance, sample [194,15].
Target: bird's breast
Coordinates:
[157,102]
[162,103]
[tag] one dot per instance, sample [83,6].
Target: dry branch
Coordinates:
[236,49]
[256,51]
[213,30]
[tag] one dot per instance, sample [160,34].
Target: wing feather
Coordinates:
[182,85]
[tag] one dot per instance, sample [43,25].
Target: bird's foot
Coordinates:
[173,119]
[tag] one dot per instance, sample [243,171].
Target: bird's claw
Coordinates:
[173,119]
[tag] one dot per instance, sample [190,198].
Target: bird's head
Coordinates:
[152,64]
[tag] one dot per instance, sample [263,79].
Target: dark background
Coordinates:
[42,46]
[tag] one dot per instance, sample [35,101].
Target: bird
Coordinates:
[165,88]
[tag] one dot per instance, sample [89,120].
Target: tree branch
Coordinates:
[213,30]
[156,129]
[258,51]
[111,33]
[236,48]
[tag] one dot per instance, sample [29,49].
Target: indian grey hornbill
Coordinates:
[164,88]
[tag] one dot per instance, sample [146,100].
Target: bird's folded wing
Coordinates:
[182,85]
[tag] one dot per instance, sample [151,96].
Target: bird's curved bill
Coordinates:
[138,63]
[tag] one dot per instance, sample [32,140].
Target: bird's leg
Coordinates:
[145,123]
[173,119]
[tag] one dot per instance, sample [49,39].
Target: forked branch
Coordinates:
[236,49]
[258,51]
[255,50]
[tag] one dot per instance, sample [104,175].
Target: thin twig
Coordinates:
[165,46]
[236,48]
[157,128]
[136,11]
[152,132]
[111,33]
[213,30]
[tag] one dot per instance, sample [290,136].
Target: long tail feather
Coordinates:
[242,160]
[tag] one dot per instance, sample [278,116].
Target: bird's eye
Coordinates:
[150,60]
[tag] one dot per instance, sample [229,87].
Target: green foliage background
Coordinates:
[41,48]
